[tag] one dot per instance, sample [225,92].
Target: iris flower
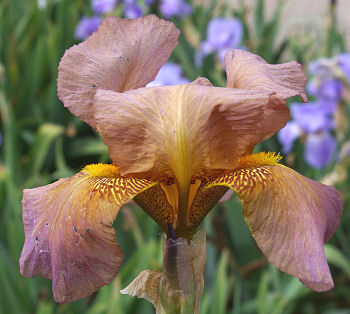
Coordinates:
[176,150]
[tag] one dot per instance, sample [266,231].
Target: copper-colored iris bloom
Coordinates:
[175,150]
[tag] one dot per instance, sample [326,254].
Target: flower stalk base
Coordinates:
[178,289]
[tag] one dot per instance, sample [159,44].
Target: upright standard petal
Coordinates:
[69,236]
[180,131]
[248,71]
[122,54]
[289,216]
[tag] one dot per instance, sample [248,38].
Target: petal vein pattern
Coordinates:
[184,131]
[69,236]
[249,71]
[290,217]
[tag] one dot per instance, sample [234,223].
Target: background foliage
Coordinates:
[42,141]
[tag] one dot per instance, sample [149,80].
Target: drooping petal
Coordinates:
[290,217]
[248,71]
[184,130]
[122,54]
[69,233]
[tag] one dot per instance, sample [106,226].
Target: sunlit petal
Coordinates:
[248,71]
[290,217]
[69,233]
[122,54]
[186,130]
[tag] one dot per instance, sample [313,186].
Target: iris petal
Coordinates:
[122,54]
[69,236]
[249,71]
[290,217]
[180,131]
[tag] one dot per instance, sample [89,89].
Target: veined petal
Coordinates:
[122,54]
[290,217]
[69,236]
[186,130]
[155,202]
[248,71]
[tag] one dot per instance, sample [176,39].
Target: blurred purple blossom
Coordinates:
[330,76]
[87,26]
[170,8]
[344,63]
[312,117]
[169,74]
[315,121]
[319,149]
[103,6]
[288,135]
[132,10]
[329,89]
[222,35]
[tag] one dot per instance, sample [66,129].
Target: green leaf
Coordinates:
[337,258]
[262,293]
[259,18]
[45,136]
[221,286]
[83,147]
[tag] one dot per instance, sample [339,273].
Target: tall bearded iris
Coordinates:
[176,150]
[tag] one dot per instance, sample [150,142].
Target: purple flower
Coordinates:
[319,149]
[169,74]
[329,89]
[170,8]
[103,6]
[132,10]
[313,120]
[222,35]
[311,117]
[325,84]
[87,26]
[344,63]
[288,135]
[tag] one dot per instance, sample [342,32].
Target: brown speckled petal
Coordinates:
[69,236]
[122,54]
[290,218]
[248,71]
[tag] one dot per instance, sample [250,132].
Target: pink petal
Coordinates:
[248,71]
[184,130]
[290,217]
[69,233]
[122,54]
